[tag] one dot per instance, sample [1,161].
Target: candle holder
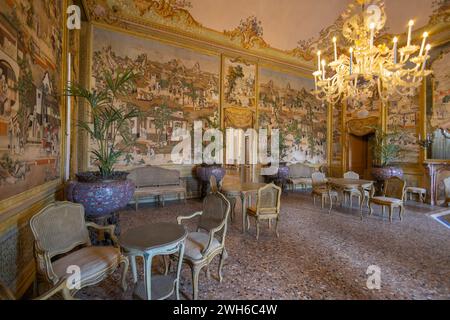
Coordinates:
[426,143]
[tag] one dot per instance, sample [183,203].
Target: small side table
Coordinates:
[148,241]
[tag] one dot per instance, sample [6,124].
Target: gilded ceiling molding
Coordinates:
[249,32]
[173,16]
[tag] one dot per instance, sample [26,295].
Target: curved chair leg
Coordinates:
[257,229]
[401,212]
[276,227]
[208,273]
[390,213]
[125,262]
[222,260]
[382,211]
[323,201]
[270,223]
[133,268]
[314,200]
[195,273]
[351,200]
[248,222]
[370,208]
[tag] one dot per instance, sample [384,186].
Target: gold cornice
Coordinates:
[179,22]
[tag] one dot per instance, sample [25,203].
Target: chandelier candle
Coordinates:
[335,48]
[318,60]
[410,24]
[372,34]
[425,35]
[395,49]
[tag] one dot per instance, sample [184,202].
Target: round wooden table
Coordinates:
[148,241]
[241,191]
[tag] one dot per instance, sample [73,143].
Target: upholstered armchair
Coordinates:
[352,192]
[60,289]
[60,229]
[447,190]
[267,207]
[320,188]
[393,197]
[208,240]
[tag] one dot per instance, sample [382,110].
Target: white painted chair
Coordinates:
[320,188]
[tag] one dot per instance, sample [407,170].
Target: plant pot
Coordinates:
[384,173]
[205,171]
[100,197]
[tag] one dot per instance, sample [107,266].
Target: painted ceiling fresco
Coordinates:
[291,30]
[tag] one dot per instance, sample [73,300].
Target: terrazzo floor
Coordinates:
[317,256]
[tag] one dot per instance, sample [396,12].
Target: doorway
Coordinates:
[360,155]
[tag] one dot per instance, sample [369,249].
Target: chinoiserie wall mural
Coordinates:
[438,113]
[403,115]
[30,69]
[175,87]
[286,103]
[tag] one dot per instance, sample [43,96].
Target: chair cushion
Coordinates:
[196,242]
[301,180]
[385,200]
[252,211]
[93,261]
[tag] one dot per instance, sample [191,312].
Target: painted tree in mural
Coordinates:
[234,73]
[161,117]
[27,100]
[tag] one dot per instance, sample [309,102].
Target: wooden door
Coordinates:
[359,158]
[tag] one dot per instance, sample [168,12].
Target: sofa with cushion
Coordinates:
[156,182]
[300,175]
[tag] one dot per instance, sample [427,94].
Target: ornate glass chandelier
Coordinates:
[369,69]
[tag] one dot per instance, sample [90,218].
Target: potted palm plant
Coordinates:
[384,153]
[105,191]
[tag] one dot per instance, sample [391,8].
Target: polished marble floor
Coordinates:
[318,255]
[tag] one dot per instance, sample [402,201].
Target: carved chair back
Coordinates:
[300,170]
[59,228]
[318,179]
[216,209]
[150,176]
[394,188]
[269,199]
[351,175]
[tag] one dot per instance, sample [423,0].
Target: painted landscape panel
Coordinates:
[404,115]
[30,69]
[286,103]
[175,87]
[239,83]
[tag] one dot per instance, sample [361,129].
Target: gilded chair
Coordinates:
[320,188]
[352,192]
[60,289]
[393,197]
[267,207]
[447,190]
[62,240]
[208,240]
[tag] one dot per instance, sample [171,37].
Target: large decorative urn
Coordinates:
[205,171]
[100,197]
[281,177]
[384,173]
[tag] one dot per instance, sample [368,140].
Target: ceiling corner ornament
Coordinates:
[370,69]
[249,32]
